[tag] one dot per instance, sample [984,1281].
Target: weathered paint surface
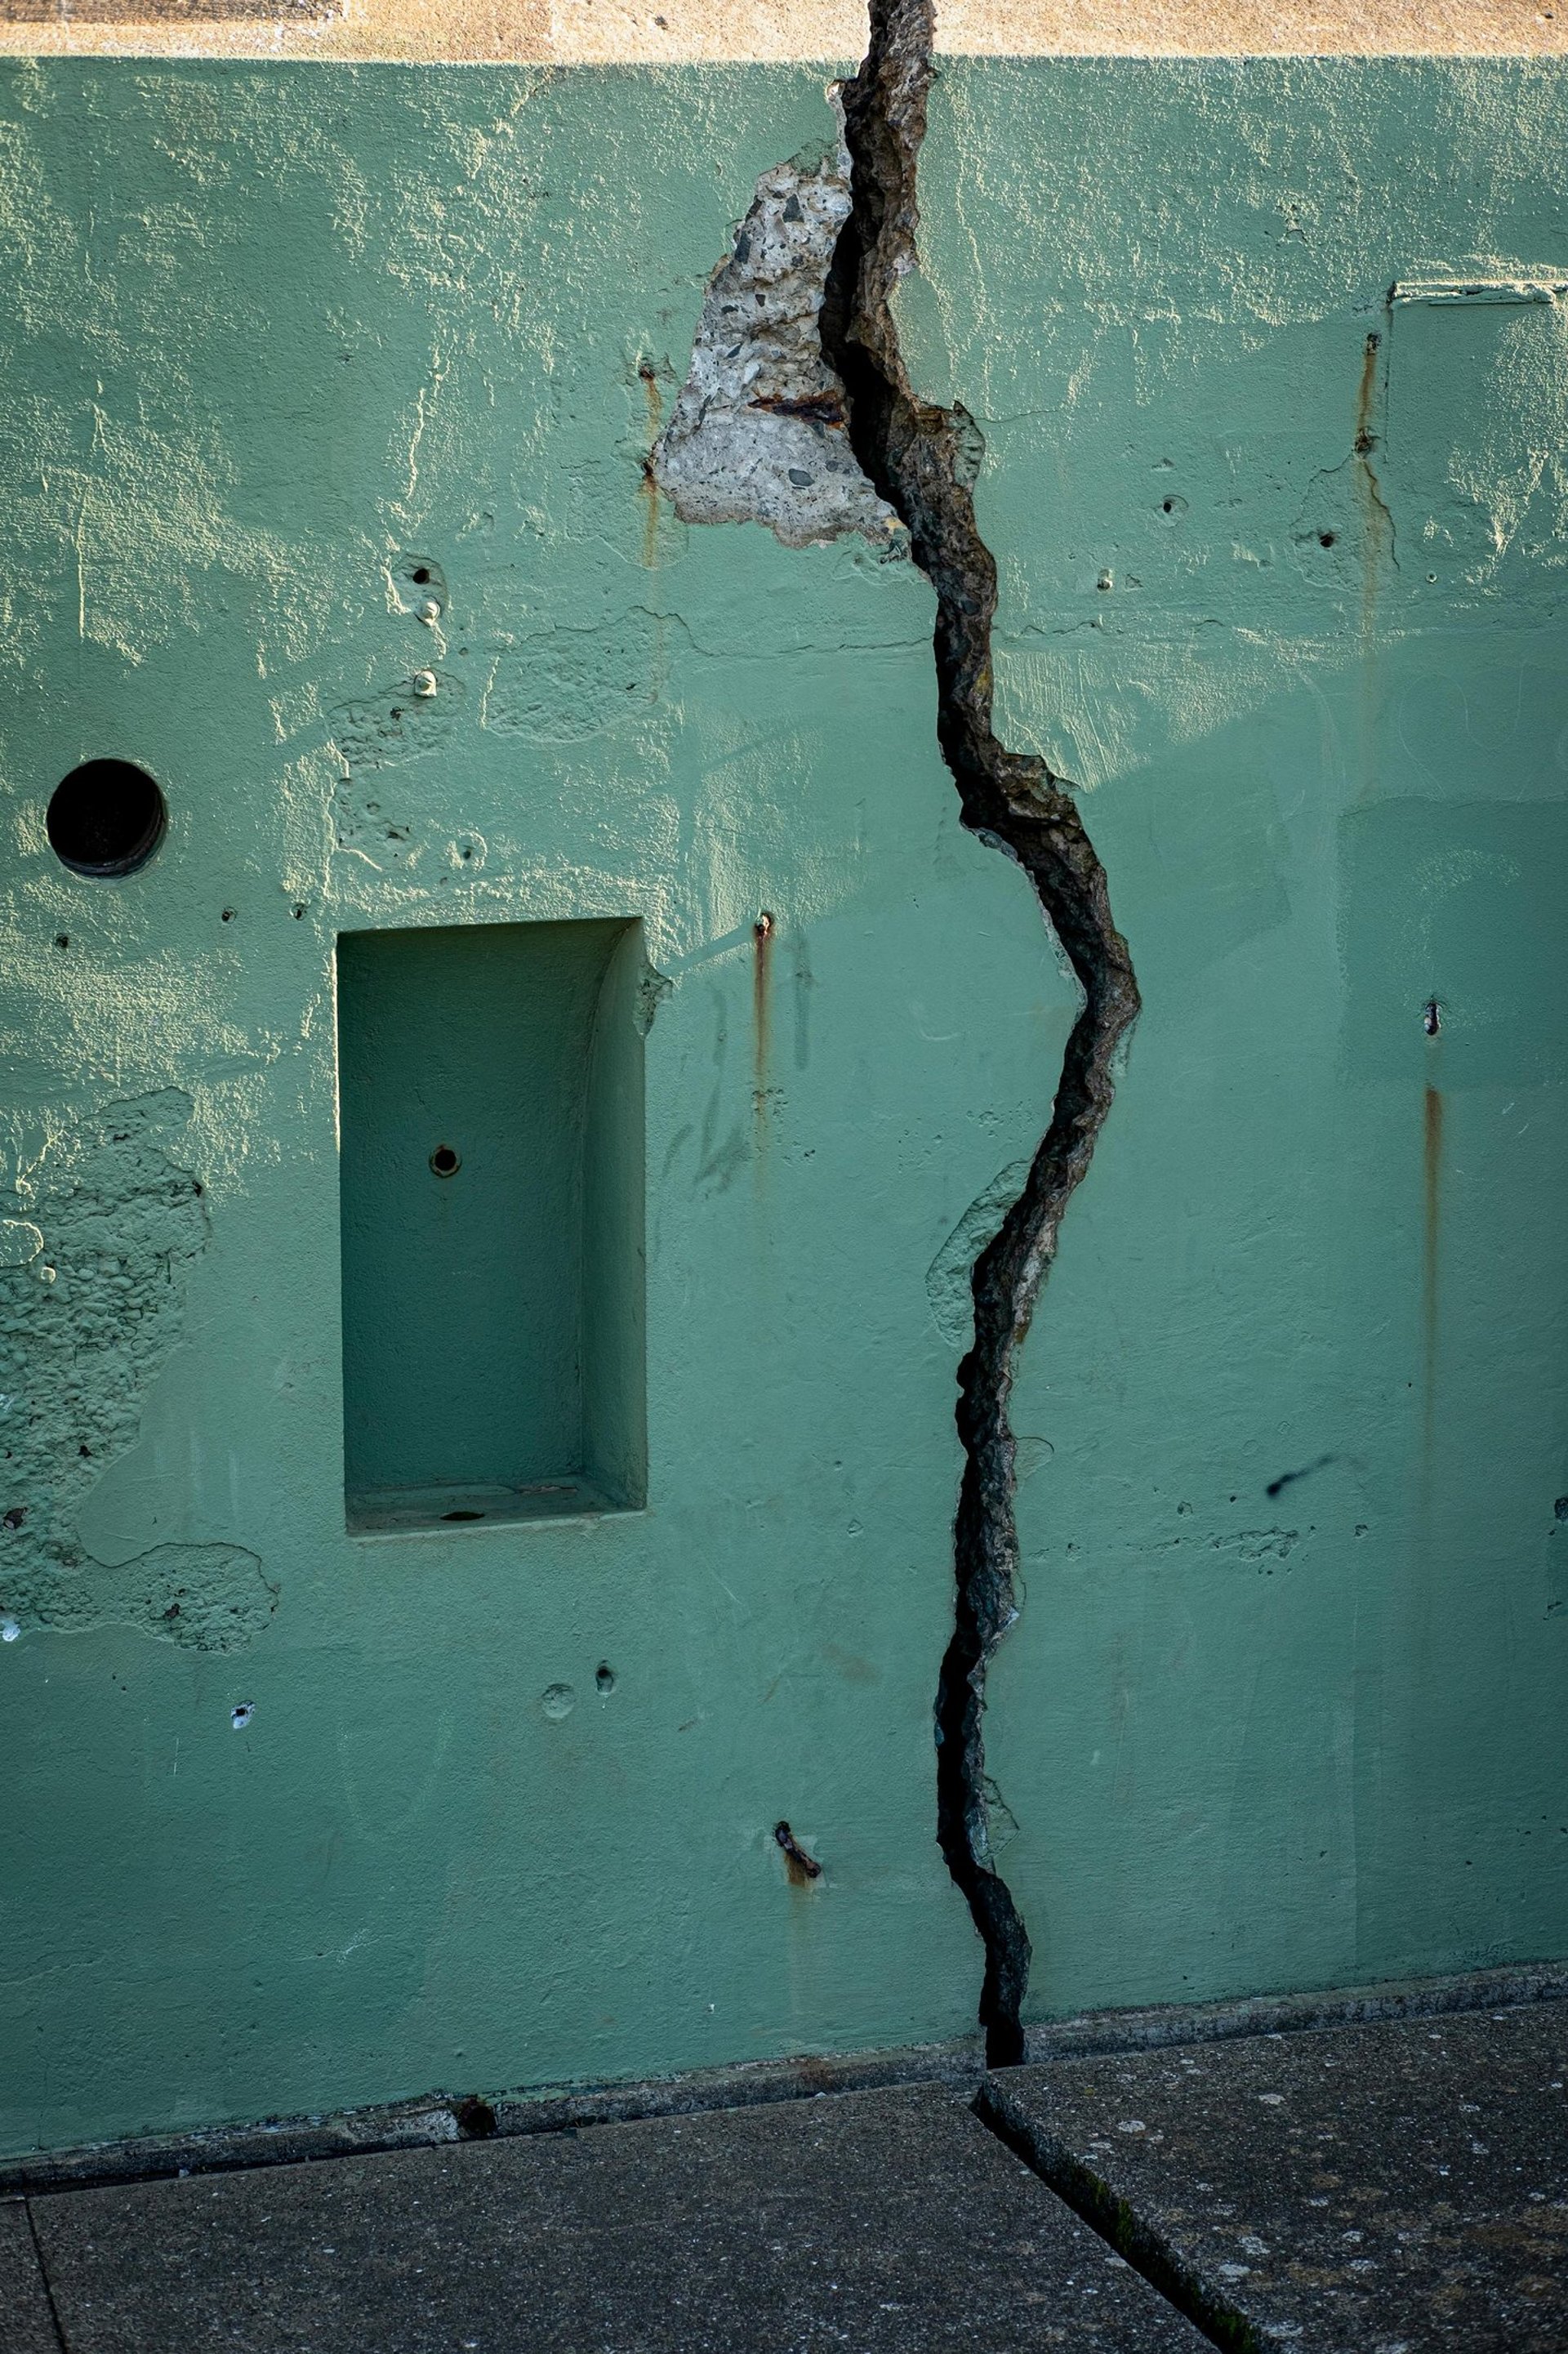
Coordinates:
[1283,565]
[1278,1710]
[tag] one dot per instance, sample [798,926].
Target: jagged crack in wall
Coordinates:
[923,460]
[797,413]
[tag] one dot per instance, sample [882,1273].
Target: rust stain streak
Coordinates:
[762,933]
[1364,396]
[801,1868]
[1377,521]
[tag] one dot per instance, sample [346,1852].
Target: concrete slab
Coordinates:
[1398,2189]
[883,2220]
[27,2325]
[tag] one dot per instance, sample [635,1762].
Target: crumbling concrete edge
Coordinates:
[759,431]
[923,460]
[438,2118]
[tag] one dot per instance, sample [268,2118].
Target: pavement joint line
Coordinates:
[435,2117]
[1114,2219]
[46,2283]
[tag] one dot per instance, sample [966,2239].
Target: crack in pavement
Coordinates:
[1119,2224]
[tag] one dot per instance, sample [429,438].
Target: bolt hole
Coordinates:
[605,1677]
[445,1161]
[1325,539]
[421,575]
[105,818]
[1167,507]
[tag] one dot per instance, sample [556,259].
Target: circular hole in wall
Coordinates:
[605,1677]
[445,1161]
[106,818]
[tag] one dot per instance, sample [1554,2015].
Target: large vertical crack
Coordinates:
[921,459]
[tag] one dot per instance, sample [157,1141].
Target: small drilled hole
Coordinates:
[420,575]
[1325,539]
[105,818]
[605,1677]
[445,1161]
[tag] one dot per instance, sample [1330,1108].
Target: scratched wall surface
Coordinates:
[1277,1711]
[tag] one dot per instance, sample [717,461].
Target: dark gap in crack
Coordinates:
[1118,2224]
[922,459]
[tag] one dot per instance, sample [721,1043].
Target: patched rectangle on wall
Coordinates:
[1452,868]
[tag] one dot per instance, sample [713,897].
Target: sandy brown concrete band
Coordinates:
[643,32]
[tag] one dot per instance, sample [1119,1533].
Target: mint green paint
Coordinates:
[1307,1737]
[492,1181]
[614,1307]
[282,336]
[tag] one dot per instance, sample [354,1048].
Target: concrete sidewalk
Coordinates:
[1398,2187]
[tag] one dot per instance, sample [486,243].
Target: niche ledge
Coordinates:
[399,1511]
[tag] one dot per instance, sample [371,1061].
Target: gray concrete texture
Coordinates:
[878,2221]
[27,2325]
[1394,2188]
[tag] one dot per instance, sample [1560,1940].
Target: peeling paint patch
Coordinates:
[560,684]
[396,723]
[204,1597]
[20,1242]
[87,1322]
[759,432]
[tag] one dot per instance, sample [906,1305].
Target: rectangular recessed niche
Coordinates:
[493,1311]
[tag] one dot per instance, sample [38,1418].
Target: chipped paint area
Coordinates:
[92,1305]
[759,430]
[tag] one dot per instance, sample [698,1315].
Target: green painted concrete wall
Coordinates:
[499,1806]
